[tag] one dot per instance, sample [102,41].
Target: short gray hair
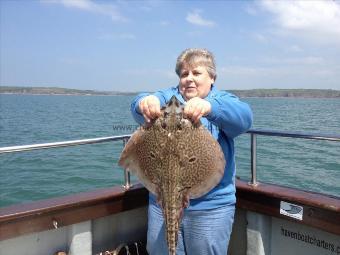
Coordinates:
[194,57]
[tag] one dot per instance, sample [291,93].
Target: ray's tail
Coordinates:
[172,220]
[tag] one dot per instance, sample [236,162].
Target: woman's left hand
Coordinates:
[196,108]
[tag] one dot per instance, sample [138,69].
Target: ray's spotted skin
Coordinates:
[176,160]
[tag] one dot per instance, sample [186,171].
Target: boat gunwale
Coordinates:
[320,210]
[65,202]
[310,198]
[43,215]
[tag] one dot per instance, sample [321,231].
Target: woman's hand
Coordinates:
[196,108]
[150,107]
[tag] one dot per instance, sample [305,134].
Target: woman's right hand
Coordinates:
[150,107]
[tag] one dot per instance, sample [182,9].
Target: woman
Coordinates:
[207,222]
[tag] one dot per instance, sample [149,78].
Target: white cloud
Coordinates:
[250,77]
[260,37]
[315,20]
[295,48]
[80,4]
[196,19]
[251,10]
[91,6]
[250,71]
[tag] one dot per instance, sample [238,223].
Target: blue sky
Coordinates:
[133,45]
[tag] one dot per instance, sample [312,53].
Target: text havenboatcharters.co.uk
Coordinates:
[312,240]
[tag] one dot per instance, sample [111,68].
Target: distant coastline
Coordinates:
[58,91]
[304,93]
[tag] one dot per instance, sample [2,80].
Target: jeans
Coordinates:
[205,232]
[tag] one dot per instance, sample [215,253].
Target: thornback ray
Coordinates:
[176,160]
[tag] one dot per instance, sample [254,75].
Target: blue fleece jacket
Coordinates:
[229,117]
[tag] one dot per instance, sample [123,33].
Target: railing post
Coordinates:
[127,181]
[253,181]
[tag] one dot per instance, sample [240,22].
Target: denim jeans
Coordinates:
[205,232]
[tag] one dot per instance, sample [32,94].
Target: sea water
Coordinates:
[29,119]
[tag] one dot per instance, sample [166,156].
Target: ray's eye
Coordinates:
[192,160]
[152,155]
[163,125]
[179,126]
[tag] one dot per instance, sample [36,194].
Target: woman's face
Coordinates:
[194,82]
